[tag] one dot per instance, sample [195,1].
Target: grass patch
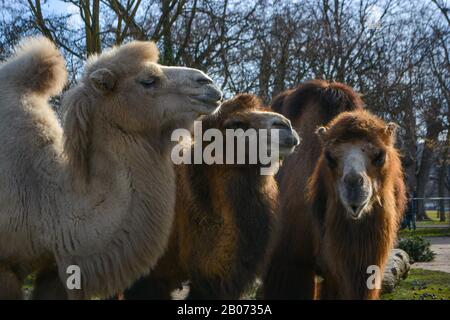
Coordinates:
[422,285]
[431,223]
[425,232]
[433,215]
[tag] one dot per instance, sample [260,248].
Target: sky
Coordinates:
[60,7]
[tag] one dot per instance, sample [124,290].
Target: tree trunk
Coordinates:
[409,159]
[280,75]
[264,74]
[422,179]
[91,25]
[96,41]
[433,128]
[168,58]
[441,192]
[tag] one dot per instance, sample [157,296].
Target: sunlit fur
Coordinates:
[347,247]
[316,237]
[99,191]
[224,218]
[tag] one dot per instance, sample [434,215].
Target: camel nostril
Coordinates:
[215,94]
[354,180]
[360,181]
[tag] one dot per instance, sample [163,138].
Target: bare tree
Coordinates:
[395,52]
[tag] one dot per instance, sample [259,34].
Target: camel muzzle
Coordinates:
[212,97]
[356,195]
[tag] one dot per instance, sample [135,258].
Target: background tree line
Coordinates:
[395,52]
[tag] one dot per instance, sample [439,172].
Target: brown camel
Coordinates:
[342,200]
[224,216]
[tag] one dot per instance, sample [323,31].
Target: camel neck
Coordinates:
[244,193]
[131,190]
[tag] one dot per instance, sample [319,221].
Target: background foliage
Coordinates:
[395,52]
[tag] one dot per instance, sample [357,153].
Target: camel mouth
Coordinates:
[288,143]
[355,196]
[355,211]
[210,100]
[284,151]
[206,104]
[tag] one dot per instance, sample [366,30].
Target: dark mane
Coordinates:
[278,101]
[314,236]
[240,102]
[360,124]
[331,98]
[224,221]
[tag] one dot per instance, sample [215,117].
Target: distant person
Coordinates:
[410,215]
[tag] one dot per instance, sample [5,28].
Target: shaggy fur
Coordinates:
[47,284]
[317,238]
[224,218]
[100,196]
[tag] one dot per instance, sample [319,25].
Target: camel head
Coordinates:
[246,111]
[138,93]
[125,90]
[357,149]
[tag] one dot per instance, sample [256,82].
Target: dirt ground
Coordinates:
[441,262]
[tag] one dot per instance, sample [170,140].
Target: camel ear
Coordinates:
[391,129]
[103,80]
[77,130]
[321,132]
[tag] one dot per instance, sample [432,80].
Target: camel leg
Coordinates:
[196,293]
[148,288]
[373,294]
[48,285]
[10,285]
[358,290]
[329,289]
[289,279]
[202,289]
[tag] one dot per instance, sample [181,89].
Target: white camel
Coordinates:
[97,192]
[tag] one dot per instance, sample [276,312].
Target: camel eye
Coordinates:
[379,158]
[148,83]
[330,159]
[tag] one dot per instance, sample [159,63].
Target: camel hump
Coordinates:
[278,101]
[337,97]
[331,98]
[37,67]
